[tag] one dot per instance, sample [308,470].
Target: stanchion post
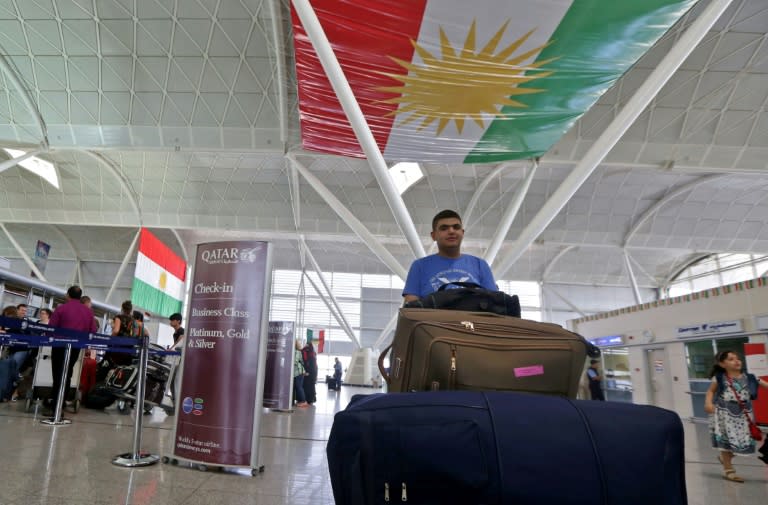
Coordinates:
[57,419]
[136,457]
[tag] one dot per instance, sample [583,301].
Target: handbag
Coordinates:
[754,431]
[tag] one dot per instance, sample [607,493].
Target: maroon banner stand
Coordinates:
[278,380]
[222,372]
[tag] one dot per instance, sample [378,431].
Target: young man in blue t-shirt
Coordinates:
[448,265]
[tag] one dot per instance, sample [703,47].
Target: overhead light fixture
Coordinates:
[405,175]
[44,169]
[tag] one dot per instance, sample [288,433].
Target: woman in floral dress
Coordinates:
[728,423]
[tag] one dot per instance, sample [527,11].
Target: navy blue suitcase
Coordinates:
[494,448]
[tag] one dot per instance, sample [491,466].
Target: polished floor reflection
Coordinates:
[69,465]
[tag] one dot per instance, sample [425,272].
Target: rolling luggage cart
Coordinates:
[122,382]
[42,380]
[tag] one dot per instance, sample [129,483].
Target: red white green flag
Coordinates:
[470,81]
[315,335]
[158,284]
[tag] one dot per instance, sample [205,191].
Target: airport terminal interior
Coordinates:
[632,210]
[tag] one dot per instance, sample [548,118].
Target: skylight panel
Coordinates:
[37,166]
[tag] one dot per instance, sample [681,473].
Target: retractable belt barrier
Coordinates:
[39,335]
[42,335]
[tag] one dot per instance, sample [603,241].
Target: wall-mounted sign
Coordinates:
[757,361]
[608,341]
[716,328]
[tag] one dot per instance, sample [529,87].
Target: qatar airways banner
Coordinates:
[278,379]
[218,416]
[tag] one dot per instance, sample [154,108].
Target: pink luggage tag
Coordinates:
[528,371]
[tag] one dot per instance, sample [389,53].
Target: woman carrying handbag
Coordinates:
[729,400]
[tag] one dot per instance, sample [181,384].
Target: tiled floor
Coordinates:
[72,464]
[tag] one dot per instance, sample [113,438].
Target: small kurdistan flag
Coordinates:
[319,336]
[158,284]
[457,81]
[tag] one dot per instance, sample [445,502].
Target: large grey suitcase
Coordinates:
[456,350]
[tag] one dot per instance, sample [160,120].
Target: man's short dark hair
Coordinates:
[21,305]
[444,214]
[593,361]
[175,317]
[75,292]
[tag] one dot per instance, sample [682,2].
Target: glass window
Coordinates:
[699,356]
[618,381]
[717,270]
[732,344]
[738,274]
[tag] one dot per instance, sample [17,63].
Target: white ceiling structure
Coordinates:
[177,115]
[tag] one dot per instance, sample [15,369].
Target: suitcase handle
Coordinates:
[381,363]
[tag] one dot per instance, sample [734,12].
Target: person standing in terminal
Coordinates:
[729,401]
[44,315]
[72,315]
[309,356]
[595,381]
[337,373]
[427,274]
[298,378]
[178,342]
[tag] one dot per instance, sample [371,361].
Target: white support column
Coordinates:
[466,216]
[79,273]
[23,254]
[632,279]
[341,319]
[181,245]
[333,311]
[564,299]
[5,165]
[26,97]
[294,186]
[509,215]
[348,102]
[277,40]
[359,228]
[120,270]
[623,120]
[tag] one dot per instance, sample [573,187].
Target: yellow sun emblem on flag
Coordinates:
[163,281]
[464,84]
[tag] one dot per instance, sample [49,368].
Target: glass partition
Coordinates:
[700,356]
[618,382]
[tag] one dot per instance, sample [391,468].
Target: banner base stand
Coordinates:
[204,467]
[130,461]
[54,422]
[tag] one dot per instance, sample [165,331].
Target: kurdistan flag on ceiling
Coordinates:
[470,81]
[158,284]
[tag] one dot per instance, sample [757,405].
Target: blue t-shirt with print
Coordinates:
[429,273]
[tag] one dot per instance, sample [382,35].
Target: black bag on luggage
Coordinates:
[463,447]
[471,297]
[100,397]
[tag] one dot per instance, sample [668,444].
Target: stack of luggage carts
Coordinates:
[461,425]
[120,383]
